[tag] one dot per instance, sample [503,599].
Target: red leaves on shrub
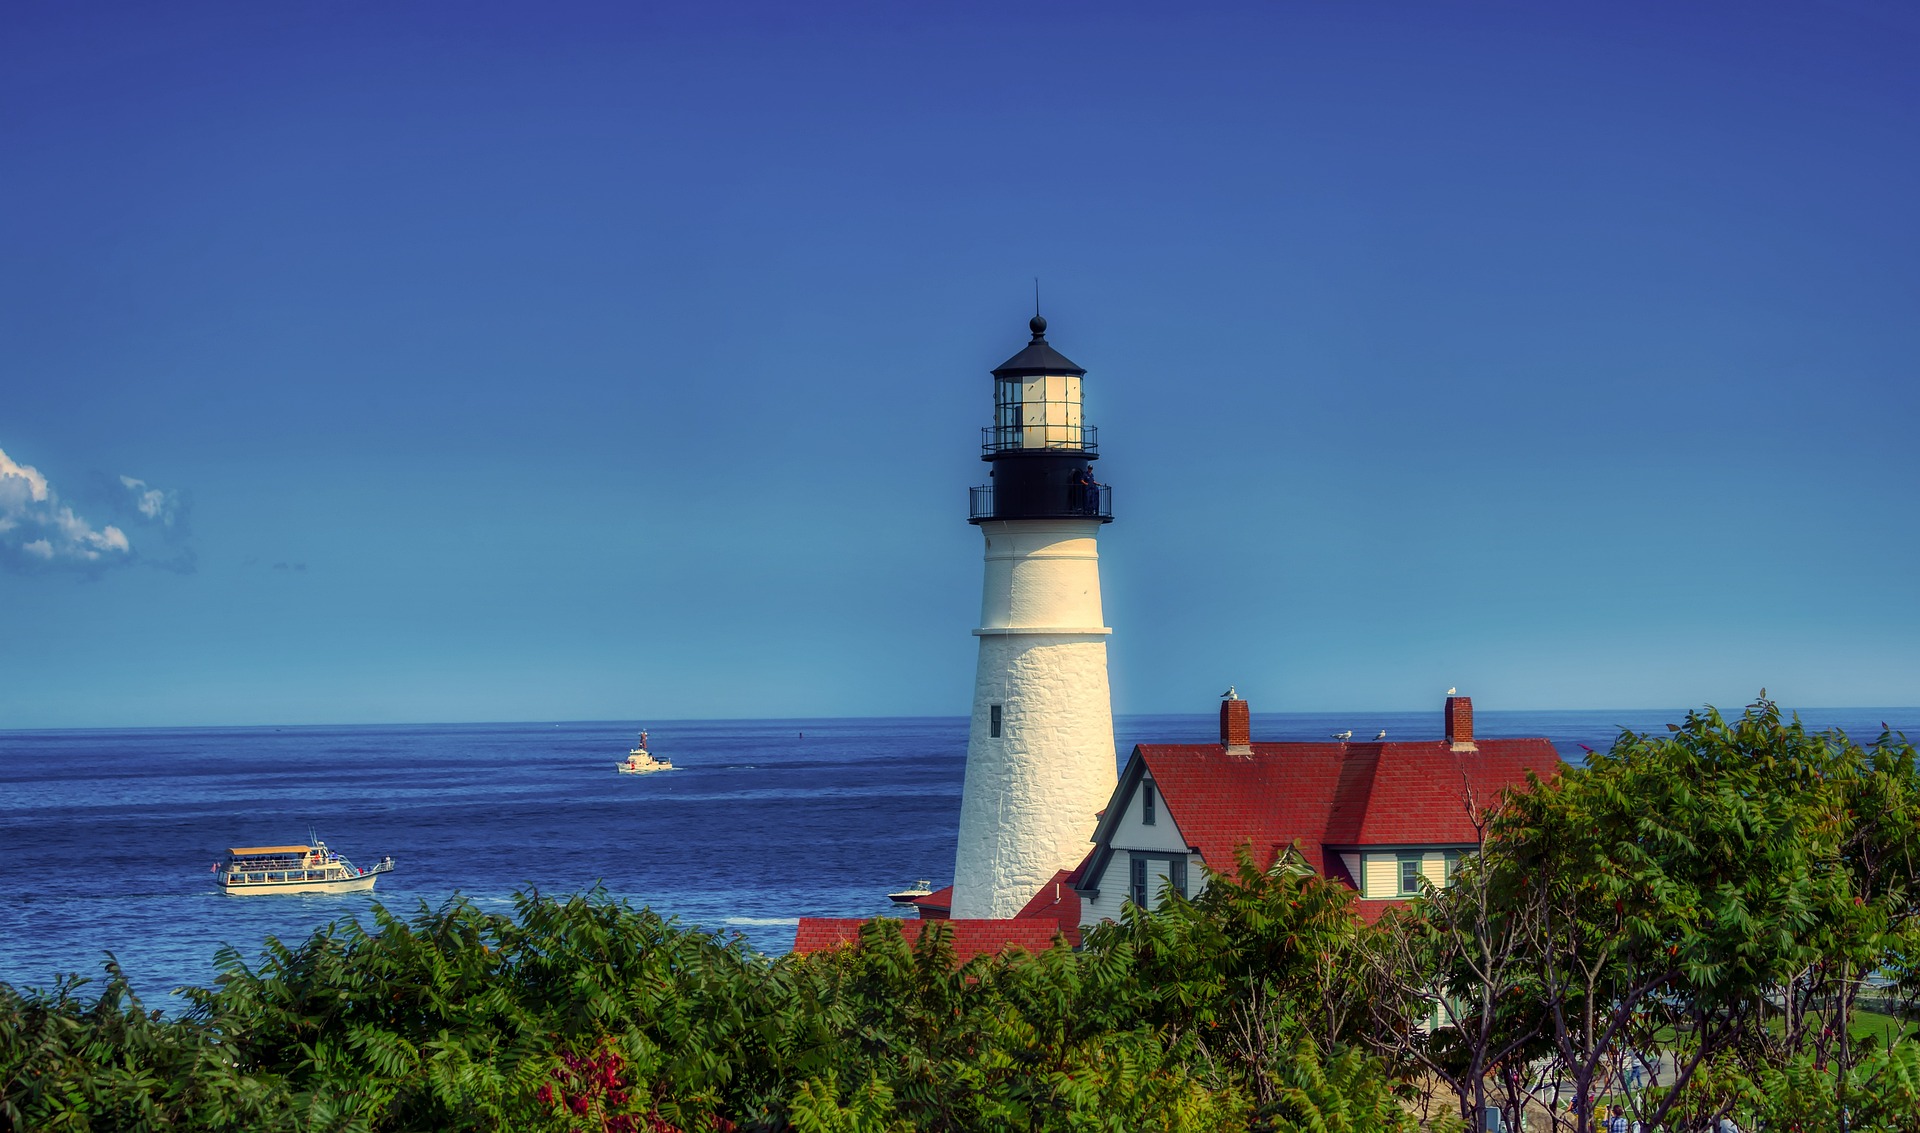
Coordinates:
[593,1084]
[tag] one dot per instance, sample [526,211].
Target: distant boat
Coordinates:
[908,896]
[249,871]
[640,761]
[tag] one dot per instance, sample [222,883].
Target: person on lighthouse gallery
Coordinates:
[1081,493]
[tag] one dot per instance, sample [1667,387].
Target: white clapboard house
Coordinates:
[1379,815]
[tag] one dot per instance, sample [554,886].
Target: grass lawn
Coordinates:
[1865,1024]
[1884,1027]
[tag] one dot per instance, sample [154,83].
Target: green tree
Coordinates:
[1676,884]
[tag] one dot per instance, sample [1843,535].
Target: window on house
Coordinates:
[1452,865]
[1146,802]
[1410,875]
[1149,872]
[993,721]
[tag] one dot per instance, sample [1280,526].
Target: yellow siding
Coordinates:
[1382,876]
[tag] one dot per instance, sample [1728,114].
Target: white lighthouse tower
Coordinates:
[1040,758]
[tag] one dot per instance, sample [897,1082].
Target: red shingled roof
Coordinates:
[1327,795]
[935,906]
[1372,910]
[1423,792]
[1057,901]
[970,937]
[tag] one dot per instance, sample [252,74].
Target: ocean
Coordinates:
[107,838]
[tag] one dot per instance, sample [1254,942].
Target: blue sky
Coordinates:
[488,361]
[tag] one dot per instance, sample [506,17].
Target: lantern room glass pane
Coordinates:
[1050,411]
[1007,416]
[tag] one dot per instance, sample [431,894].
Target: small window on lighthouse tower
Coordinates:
[993,721]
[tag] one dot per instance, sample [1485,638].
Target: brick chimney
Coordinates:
[1460,723]
[1236,728]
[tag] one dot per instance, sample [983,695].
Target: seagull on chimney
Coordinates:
[1230,694]
[1382,735]
[1346,735]
[1452,691]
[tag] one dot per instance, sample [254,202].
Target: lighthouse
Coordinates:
[1040,758]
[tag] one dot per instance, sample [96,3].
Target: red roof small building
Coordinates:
[1383,816]
[935,906]
[1053,910]
[970,937]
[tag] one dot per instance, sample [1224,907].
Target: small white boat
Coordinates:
[640,761]
[909,895]
[252,870]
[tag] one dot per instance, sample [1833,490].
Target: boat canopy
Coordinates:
[256,851]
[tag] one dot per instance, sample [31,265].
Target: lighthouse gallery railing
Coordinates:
[1060,438]
[1095,502]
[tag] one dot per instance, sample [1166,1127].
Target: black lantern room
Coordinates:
[1039,448]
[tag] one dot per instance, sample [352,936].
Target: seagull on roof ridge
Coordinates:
[1346,735]
[1382,735]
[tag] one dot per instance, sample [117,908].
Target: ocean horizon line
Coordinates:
[1676,713]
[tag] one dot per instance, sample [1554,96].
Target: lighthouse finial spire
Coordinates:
[1037,324]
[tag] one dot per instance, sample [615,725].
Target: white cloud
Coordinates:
[152,502]
[20,480]
[39,530]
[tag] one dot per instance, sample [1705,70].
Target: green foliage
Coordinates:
[1705,863]
[1348,1093]
[1275,935]
[1014,1042]
[588,1014]
[1262,976]
[1879,1094]
[66,1064]
[817,1108]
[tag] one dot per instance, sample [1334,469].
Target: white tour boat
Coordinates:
[640,761]
[251,870]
